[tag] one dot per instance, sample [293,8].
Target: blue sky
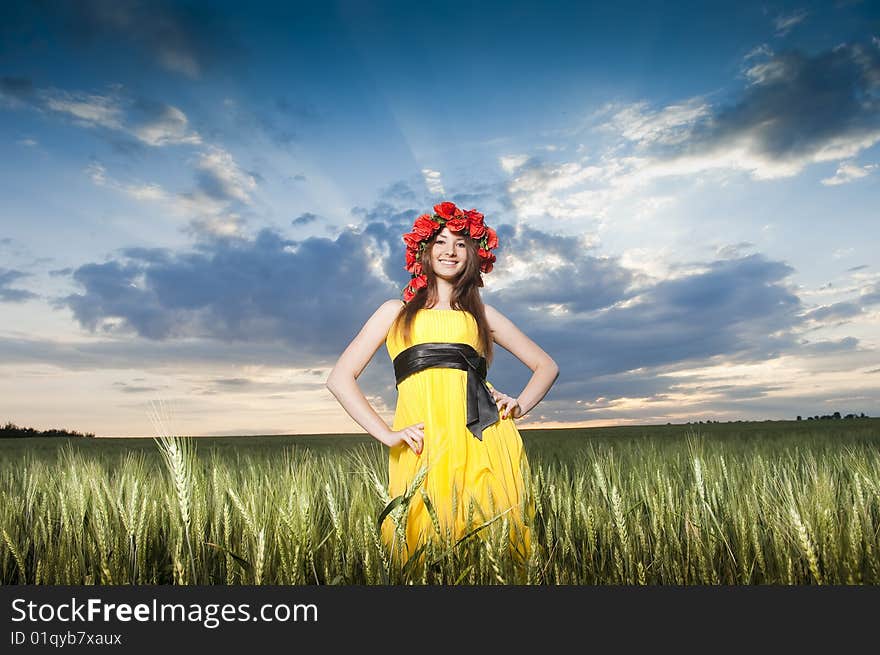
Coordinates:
[203,202]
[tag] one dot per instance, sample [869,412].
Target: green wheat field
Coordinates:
[782,502]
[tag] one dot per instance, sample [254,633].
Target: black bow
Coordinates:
[481,408]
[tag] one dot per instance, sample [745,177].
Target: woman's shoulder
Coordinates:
[491,312]
[386,312]
[391,308]
[496,319]
[393,304]
[383,318]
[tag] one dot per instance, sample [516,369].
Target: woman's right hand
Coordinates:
[413,436]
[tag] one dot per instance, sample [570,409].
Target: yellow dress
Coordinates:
[459,467]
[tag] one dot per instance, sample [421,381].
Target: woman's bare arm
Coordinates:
[545,370]
[342,381]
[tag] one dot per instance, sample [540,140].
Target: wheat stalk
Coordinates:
[16,555]
[178,455]
[805,543]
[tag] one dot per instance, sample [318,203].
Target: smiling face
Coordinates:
[449,254]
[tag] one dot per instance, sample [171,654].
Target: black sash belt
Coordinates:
[481,408]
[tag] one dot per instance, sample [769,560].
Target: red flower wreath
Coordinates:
[446,214]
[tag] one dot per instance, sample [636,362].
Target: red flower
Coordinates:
[492,241]
[408,294]
[447,210]
[474,216]
[412,240]
[425,226]
[419,282]
[457,224]
[486,264]
[412,262]
[476,228]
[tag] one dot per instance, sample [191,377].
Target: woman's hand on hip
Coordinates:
[507,405]
[412,435]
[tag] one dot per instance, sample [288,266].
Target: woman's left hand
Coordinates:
[507,405]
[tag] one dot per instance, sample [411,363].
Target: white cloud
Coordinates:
[152,192]
[649,206]
[87,109]
[97,173]
[739,155]
[784,23]
[649,263]
[169,128]
[597,189]
[621,183]
[434,181]
[762,50]
[758,133]
[233,182]
[206,213]
[146,192]
[733,250]
[745,151]
[558,189]
[670,125]
[220,180]
[512,162]
[767,72]
[847,172]
[223,225]
[155,124]
[554,177]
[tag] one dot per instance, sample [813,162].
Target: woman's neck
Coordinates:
[444,294]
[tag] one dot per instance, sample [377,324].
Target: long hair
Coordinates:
[465,296]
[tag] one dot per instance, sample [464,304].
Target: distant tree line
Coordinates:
[835,415]
[12,430]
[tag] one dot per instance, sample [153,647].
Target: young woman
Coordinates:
[453,433]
